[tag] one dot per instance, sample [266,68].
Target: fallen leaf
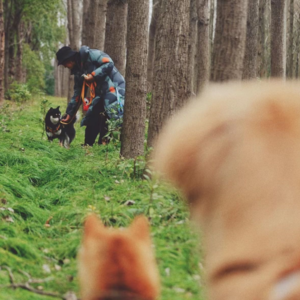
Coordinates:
[47,222]
[46,268]
[9,219]
[57,267]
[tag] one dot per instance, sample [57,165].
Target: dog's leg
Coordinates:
[67,142]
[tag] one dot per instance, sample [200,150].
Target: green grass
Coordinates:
[40,180]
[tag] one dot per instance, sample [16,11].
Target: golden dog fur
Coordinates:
[235,154]
[117,264]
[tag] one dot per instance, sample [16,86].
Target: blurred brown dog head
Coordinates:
[235,154]
[117,264]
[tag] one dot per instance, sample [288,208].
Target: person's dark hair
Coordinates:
[64,54]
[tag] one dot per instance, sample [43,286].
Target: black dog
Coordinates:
[54,128]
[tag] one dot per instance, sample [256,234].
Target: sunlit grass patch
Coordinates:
[46,192]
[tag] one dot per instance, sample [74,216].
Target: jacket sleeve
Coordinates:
[106,66]
[75,101]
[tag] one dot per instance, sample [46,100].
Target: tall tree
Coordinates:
[2,42]
[203,56]
[151,46]
[170,78]
[229,42]
[290,50]
[133,131]
[99,37]
[74,34]
[115,32]
[19,56]
[250,59]
[278,46]
[90,23]
[85,22]
[192,44]
[263,57]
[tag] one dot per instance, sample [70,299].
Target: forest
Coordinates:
[168,51]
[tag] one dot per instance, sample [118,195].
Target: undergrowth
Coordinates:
[46,191]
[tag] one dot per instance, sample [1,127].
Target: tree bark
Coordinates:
[2,44]
[250,59]
[203,55]
[290,63]
[74,36]
[133,131]
[278,31]
[115,34]
[99,37]
[85,22]
[151,47]
[229,43]
[91,23]
[170,78]
[192,44]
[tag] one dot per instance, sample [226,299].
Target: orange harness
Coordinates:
[92,87]
[49,129]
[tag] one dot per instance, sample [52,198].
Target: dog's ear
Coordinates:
[51,108]
[140,228]
[58,107]
[93,226]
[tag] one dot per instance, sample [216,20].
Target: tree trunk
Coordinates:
[2,44]
[151,47]
[74,36]
[250,59]
[278,38]
[290,63]
[264,46]
[170,78]
[85,22]
[91,22]
[192,44]
[203,55]
[229,43]
[212,22]
[19,59]
[115,33]
[133,131]
[99,38]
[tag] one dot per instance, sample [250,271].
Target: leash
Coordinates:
[92,87]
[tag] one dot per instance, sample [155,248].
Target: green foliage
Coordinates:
[44,184]
[18,93]
[49,80]
[35,70]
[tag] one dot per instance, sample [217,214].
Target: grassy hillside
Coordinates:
[41,182]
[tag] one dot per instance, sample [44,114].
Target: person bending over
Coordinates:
[94,69]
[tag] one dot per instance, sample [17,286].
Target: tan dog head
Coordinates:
[117,264]
[235,154]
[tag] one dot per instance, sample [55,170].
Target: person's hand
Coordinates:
[89,78]
[66,118]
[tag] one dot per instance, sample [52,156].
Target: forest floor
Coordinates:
[40,183]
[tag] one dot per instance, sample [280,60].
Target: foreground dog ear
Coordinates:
[140,228]
[93,226]
[58,107]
